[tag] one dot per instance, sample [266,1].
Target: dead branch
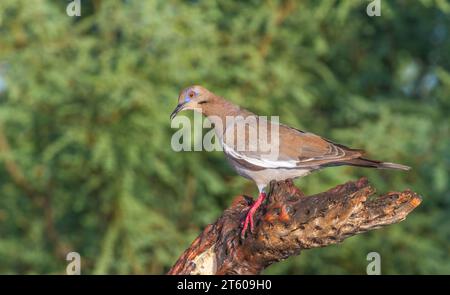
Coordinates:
[290,222]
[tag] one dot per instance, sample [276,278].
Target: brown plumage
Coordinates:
[298,153]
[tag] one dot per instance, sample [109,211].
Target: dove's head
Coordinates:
[192,97]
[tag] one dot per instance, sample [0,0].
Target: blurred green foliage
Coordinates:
[85,157]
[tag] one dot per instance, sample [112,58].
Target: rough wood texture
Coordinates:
[289,222]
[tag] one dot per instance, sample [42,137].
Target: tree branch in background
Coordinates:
[279,15]
[38,199]
[288,223]
[13,168]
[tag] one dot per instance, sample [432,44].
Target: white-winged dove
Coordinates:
[298,153]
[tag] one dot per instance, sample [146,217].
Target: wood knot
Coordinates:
[241,201]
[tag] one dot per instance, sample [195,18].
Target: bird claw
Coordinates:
[249,217]
[248,220]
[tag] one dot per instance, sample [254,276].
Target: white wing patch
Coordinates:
[261,162]
[335,153]
[272,159]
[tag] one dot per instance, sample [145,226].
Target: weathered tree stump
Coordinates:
[289,222]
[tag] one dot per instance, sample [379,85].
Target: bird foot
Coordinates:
[249,217]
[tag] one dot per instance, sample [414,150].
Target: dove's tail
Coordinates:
[362,162]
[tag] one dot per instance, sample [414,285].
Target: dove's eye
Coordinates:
[191,94]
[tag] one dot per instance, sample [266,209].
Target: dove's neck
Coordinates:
[220,111]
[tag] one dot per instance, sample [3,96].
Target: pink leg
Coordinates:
[249,217]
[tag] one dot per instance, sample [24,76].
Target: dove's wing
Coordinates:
[283,147]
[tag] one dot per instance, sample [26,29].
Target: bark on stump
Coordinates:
[289,222]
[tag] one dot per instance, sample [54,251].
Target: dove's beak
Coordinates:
[179,108]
